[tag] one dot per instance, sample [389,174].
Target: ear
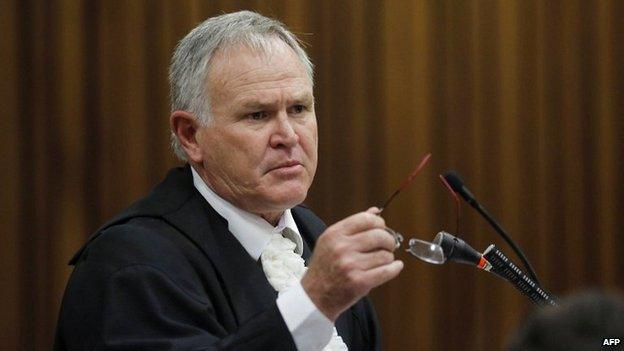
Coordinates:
[186,126]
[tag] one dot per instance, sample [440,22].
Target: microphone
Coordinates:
[492,260]
[457,184]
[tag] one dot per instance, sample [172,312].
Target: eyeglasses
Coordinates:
[424,250]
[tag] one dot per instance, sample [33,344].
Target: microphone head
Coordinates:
[457,184]
[454,180]
[457,250]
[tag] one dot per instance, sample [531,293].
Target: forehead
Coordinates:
[241,73]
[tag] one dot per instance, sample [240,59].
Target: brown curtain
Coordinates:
[524,98]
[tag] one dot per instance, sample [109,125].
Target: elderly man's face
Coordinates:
[260,151]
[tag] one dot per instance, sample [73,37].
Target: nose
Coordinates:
[284,134]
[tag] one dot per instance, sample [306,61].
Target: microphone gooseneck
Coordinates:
[506,269]
[457,184]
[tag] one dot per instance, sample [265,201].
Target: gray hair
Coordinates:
[191,59]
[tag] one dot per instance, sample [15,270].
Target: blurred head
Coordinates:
[243,111]
[580,323]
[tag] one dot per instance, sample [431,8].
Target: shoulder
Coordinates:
[168,196]
[145,242]
[143,252]
[139,238]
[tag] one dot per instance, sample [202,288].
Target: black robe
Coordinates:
[166,274]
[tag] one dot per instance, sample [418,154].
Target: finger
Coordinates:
[381,274]
[372,240]
[374,210]
[369,260]
[359,222]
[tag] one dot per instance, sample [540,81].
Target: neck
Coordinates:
[272,217]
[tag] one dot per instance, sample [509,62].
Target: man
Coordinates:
[199,262]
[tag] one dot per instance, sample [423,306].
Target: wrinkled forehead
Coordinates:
[239,66]
[250,52]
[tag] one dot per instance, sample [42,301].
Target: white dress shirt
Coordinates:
[309,327]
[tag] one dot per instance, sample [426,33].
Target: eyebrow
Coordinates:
[253,103]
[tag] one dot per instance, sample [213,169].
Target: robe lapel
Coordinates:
[310,229]
[244,282]
[309,232]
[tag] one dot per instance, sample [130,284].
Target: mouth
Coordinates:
[290,165]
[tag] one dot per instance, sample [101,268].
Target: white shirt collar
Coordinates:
[251,230]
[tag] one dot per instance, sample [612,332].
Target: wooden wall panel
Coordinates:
[524,98]
[10,283]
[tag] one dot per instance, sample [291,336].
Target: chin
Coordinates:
[285,199]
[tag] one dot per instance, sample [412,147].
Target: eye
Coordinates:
[257,116]
[298,109]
